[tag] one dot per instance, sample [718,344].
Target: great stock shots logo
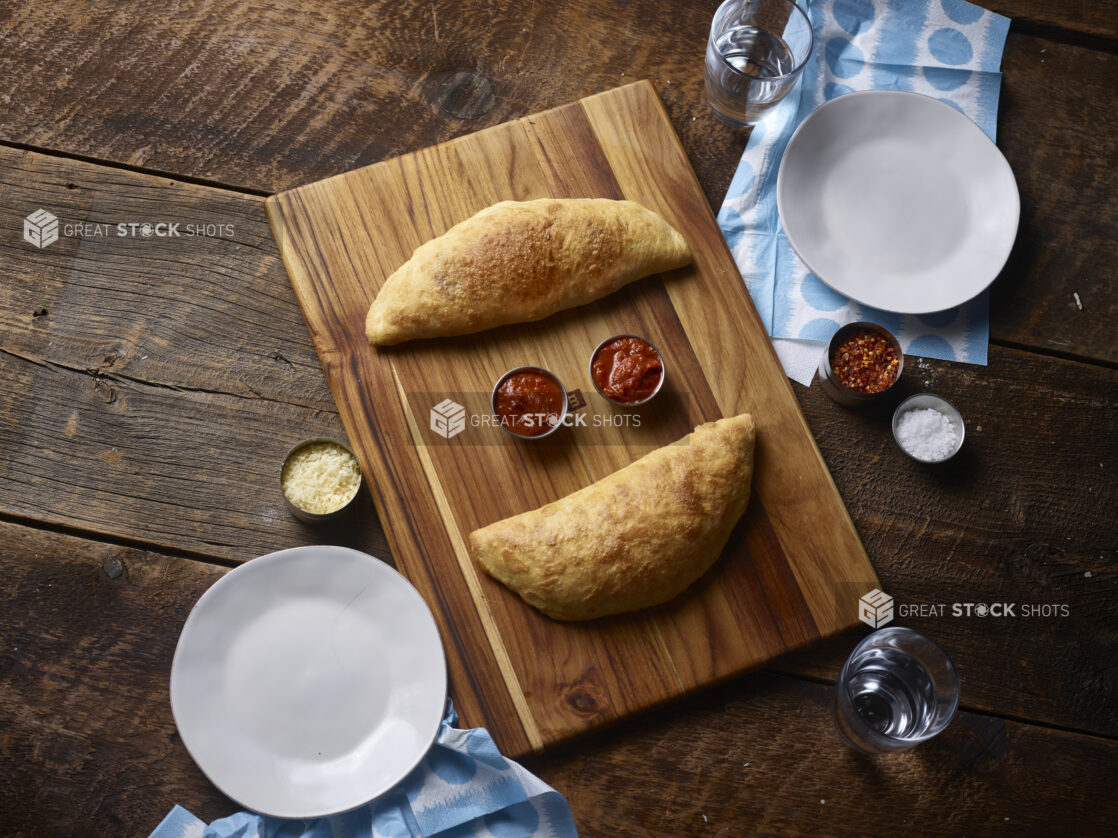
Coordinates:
[40,228]
[875,609]
[43,228]
[448,419]
[472,418]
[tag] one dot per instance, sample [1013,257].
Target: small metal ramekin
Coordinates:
[924,400]
[830,382]
[529,368]
[659,387]
[318,517]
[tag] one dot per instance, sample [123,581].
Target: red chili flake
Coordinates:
[865,362]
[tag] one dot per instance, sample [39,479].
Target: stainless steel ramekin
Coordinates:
[659,387]
[830,382]
[318,517]
[937,403]
[542,371]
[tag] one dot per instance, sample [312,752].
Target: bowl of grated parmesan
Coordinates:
[320,479]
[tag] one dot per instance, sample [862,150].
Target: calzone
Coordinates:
[633,539]
[521,261]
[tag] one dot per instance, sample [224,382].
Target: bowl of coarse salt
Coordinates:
[320,479]
[928,428]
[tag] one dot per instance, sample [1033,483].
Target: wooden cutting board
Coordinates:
[794,568]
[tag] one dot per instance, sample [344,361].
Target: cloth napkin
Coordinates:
[948,49]
[463,788]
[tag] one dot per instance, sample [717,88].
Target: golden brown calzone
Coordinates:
[635,538]
[520,261]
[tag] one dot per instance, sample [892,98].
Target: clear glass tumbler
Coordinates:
[756,51]
[898,689]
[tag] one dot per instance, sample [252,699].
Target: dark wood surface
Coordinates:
[92,749]
[149,388]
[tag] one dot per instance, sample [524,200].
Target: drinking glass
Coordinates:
[756,51]
[898,689]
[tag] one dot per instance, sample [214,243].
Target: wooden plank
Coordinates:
[1007,519]
[269,100]
[1059,291]
[154,384]
[89,747]
[220,300]
[1024,514]
[760,757]
[275,98]
[336,237]
[1075,22]
[87,634]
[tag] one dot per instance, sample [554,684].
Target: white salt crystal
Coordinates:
[926,434]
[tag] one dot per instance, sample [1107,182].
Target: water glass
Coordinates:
[756,51]
[898,689]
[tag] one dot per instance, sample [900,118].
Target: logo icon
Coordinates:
[448,419]
[40,228]
[875,609]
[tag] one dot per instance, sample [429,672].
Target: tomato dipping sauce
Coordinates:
[627,369]
[866,362]
[529,402]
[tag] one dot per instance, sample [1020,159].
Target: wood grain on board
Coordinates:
[794,568]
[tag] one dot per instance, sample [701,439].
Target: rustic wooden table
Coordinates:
[150,386]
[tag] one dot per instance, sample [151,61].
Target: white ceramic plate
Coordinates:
[308,681]
[898,201]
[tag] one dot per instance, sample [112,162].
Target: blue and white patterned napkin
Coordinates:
[463,788]
[948,49]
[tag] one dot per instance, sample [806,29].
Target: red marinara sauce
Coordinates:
[627,369]
[866,362]
[529,402]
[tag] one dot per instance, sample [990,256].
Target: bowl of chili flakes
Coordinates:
[862,363]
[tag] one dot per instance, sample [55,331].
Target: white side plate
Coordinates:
[308,681]
[898,201]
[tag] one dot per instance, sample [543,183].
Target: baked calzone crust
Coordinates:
[633,539]
[521,261]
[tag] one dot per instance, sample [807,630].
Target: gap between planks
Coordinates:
[963,707]
[246,191]
[1062,35]
[118,541]
[1055,353]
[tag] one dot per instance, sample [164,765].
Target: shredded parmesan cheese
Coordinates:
[320,477]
